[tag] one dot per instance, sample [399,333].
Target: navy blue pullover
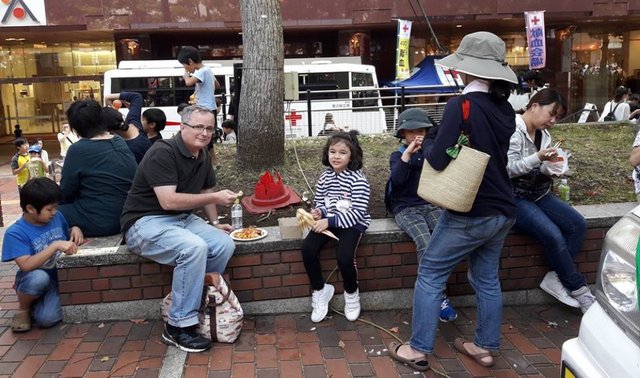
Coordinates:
[404,180]
[489,127]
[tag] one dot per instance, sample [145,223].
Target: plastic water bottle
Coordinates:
[236,215]
[563,190]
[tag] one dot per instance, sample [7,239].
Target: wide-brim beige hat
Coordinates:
[481,54]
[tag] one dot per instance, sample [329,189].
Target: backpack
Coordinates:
[220,315]
[390,199]
[611,116]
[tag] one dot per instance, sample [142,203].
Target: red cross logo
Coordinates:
[293,117]
[535,20]
[405,28]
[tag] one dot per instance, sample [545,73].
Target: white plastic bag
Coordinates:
[559,166]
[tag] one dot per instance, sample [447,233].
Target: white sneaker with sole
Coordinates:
[320,302]
[552,285]
[352,305]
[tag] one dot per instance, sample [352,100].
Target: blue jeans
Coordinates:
[454,238]
[560,229]
[46,310]
[192,246]
[417,222]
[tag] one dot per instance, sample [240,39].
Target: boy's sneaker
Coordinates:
[352,305]
[584,297]
[320,302]
[187,339]
[552,285]
[447,312]
[21,321]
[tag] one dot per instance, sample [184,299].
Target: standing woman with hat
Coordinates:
[478,234]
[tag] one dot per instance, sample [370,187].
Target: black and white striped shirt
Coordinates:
[344,198]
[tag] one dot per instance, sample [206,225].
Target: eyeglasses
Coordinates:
[201,128]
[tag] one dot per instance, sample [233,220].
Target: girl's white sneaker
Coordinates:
[352,305]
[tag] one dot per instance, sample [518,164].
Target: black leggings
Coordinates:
[345,254]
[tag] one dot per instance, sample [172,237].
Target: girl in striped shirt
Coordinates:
[341,201]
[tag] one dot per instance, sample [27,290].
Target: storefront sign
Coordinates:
[22,13]
[536,39]
[402,52]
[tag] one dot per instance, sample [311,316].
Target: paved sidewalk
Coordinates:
[288,345]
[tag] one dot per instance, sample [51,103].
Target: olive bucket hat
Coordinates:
[480,54]
[413,119]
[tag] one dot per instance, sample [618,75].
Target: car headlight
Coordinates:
[616,284]
[619,282]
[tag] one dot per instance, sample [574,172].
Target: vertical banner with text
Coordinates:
[402,52]
[536,39]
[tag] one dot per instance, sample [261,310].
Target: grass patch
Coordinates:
[599,161]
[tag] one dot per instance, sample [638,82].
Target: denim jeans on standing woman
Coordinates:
[456,237]
[560,229]
[192,246]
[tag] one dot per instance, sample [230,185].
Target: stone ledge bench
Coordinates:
[104,281]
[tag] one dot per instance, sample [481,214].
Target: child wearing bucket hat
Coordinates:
[485,116]
[414,215]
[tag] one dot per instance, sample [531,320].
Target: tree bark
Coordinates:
[260,129]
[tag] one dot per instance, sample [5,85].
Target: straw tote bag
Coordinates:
[456,186]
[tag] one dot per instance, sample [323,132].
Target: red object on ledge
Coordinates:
[269,194]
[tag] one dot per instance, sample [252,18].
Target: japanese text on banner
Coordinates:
[402,52]
[536,39]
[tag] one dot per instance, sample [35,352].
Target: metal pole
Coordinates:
[402,99]
[309,112]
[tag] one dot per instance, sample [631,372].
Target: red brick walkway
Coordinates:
[288,345]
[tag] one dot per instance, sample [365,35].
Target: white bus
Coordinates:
[348,90]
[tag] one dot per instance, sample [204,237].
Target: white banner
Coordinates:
[22,13]
[402,52]
[536,39]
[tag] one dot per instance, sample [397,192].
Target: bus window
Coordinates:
[361,79]
[318,83]
[155,91]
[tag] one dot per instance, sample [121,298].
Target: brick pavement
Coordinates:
[288,345]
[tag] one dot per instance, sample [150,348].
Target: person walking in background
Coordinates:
[66,137]
[19,162]
[540,213]
[414,215]
[482,113]
[44,155]
[17,131]
[341,202]
[618,106]
[36,166]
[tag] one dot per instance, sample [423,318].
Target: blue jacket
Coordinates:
[405,178]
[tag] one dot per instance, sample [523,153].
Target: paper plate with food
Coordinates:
[251,233]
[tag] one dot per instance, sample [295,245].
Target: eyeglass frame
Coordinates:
[200,128]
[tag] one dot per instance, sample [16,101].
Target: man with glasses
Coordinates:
[174,178]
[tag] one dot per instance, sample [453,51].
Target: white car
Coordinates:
[608,343]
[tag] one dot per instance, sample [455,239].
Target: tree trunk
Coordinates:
[261,125]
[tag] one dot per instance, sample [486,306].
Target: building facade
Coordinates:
[54,52]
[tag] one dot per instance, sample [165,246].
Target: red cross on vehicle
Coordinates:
[293,117]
